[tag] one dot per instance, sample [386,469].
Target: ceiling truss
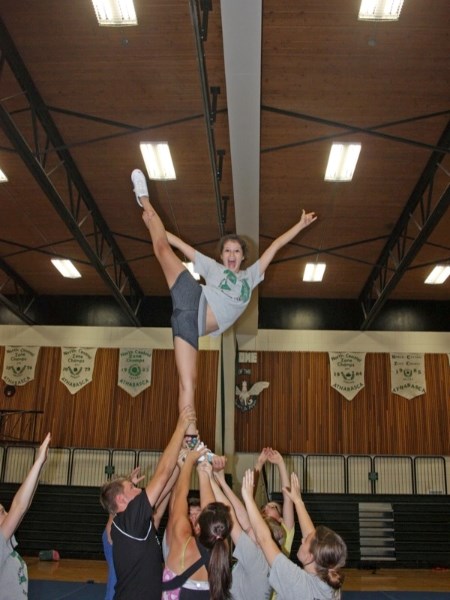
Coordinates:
[101,248]
[420,216]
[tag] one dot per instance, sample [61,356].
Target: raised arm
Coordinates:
[24,495]
[186,249]
[288,505]
[262,531]
[219,496]
[259,465]
[294,493]
[268,255]
[163,500]
[204,470]
[234,502]
[169,457]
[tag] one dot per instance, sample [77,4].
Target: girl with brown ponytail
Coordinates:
[322,552]
[198,565]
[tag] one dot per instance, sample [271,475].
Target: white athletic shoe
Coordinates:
[140,185]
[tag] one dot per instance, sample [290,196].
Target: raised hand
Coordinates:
[307,218]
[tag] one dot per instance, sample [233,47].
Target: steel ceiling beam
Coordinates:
[23,298]
[421,215]
[200,34]
[104,245]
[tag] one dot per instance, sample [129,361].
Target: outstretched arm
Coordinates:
[234,502]
[305,522]
[163,501]
[259,465]
[236,528]
[288,505]
[24,495]
[262,531]
[268,255]
[169,457]
[186,249]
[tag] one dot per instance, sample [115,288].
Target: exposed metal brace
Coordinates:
[121,277]
[420,216]
[224,208]
[220,154]
[350,129]
[23,297]
[215,91]
[206,5]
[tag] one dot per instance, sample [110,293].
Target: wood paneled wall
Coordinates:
[102,415]
[300,412]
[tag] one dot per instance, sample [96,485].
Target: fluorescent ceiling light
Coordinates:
[314,271]
[115,13]
[438,275]
[380,10]
[158,160]
[190,267]
[3,176]
[342,162]
[66,268]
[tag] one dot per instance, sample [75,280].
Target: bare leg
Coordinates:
[186,361]
[169,261]
[185,354]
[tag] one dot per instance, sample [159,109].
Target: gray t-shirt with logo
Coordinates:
[227,293]
[13,571]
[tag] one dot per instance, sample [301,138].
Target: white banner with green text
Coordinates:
[347,372]
[77,367]
[408,374]
[19,364]
[135,370]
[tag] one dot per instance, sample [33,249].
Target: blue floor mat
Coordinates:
[67,590]
[396,595]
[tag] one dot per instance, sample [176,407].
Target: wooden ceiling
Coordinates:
[76,100]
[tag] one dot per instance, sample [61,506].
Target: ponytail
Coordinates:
[215,527]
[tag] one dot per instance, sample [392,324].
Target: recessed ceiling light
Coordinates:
[3,176]
[380,10]
[342,162]
[438,275]
[115,13]
[314,271]
[158,160]
[66,268]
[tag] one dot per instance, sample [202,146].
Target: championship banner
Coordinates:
[408,375]
[347,372]
[19,364]
[135,370]
[77,367]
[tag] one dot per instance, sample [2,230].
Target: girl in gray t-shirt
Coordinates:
[322,552]
[211,308]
